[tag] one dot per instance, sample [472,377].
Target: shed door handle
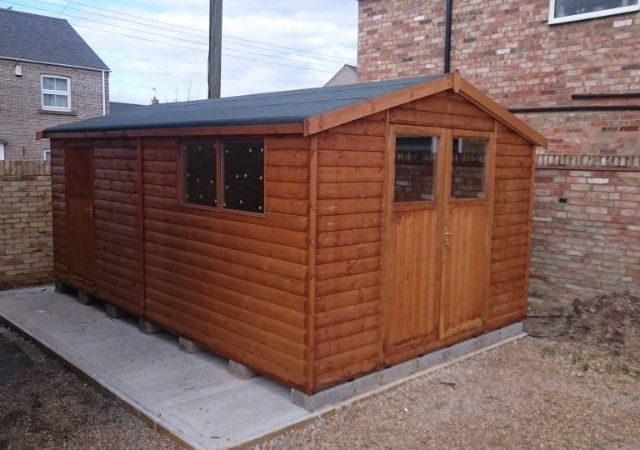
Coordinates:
[90,213]
[447,239]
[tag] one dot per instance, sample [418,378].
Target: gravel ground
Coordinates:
[533,393]
[45,406]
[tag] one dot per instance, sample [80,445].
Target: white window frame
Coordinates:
[46,152]
[1,151]
[53,92]
[590,15]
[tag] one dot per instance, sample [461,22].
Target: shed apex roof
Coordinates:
[317,109]
[42,39]
[257,109]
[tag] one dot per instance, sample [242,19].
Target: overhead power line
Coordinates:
[172,38]
[201,34]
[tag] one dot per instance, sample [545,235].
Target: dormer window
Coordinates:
[561,11]
[56,93]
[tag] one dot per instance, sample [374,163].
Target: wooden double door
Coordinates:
[81,235]
[438,235]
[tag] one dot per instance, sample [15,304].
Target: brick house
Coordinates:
[571,69]
[48,75]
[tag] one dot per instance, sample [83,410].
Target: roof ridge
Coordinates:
[15,11]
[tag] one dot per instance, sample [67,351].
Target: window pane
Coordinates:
[48,83]
[198,173]
[243,175]
[415,168]
[61,84]
[572,7]
[49,100]
[62,101]
[469,158]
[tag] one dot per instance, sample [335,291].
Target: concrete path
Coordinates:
[191,396]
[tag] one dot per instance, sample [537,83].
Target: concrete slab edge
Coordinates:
[110,391]
[509,333]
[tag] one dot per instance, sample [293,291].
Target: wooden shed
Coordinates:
[312,235]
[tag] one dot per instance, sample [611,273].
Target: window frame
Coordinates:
[45,152]
[590,15]
[218,143]
[44,91]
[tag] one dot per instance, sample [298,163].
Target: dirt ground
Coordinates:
[45,406]
[578,390]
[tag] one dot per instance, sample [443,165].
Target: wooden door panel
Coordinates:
[413,288]
[80,224]
[465,270]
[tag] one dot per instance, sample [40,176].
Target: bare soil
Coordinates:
[580,389]
[45,406]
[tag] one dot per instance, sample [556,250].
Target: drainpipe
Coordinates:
[104,95]
[447,36]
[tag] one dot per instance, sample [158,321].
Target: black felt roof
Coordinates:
[32,37]
[257,109]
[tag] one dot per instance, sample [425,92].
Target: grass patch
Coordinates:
[548,352]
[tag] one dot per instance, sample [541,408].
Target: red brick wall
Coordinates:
[510,51]
[26,247]
[590,244]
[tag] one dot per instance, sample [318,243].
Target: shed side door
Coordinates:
[466,240]
[81,238]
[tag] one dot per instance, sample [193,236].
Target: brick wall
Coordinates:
[586,226]
[26,248]
[510,51]
[21,114]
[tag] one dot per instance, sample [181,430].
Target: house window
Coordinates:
[561,11]
[46,155]
[56,93]
[225,173]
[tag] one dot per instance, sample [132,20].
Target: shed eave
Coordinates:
[230,130]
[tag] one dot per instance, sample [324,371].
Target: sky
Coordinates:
[160,46]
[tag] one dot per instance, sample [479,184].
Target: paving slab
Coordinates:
[192,396]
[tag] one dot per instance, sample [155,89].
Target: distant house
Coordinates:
[118,107]
[48,76]
[347,75]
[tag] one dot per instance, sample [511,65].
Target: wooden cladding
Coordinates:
[322,276]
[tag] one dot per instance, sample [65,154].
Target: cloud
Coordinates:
[323,34]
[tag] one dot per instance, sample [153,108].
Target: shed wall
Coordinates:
[234,282]
[350,189]
[349,322]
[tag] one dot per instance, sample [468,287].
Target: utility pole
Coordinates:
[215,47]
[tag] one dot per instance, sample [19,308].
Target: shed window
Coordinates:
[572,10]
[243,175]
[468,168]
[199,173]
[226,173]
[415,168]
[56,93]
